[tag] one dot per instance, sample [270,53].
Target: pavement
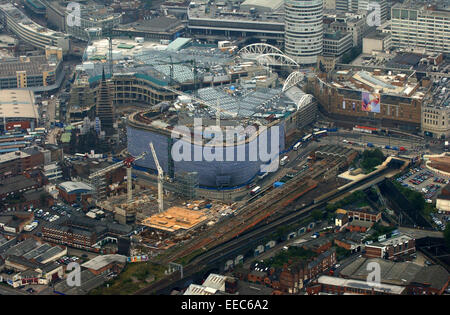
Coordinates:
[420,233]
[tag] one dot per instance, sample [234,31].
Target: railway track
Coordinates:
[229,248]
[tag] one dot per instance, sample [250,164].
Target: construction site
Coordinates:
[300,188]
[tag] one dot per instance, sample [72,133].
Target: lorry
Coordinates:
[370,145]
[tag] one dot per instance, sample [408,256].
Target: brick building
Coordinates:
[105,264]
[372,97]
[364,214]
[72,192]
[392,248]
[294,275]
[13,186]
[318,245]
[340,286]
[82,233]
[359,226]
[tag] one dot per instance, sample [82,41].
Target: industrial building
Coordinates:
[414,278]
[33,262]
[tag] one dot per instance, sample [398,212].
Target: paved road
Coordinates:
[418,233]
[5,290]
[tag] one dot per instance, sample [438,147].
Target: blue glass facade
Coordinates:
[211,173]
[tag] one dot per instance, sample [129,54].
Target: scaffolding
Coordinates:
[99,185]
[186,184]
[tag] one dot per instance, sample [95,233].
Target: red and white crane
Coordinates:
[128,163]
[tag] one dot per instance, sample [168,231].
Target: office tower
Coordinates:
[304,30]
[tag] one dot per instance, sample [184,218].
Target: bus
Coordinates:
[284,160]
[255,190]
[297,145]
[320,134]
[307,138]
[365,129]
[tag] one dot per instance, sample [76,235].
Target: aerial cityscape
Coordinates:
[227,148]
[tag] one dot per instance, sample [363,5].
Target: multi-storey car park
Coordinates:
[257,20]
[37,73]
[29,31]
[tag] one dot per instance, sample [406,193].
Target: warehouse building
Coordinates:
[18,109]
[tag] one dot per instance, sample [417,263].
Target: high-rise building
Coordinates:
[345,6]
[421,26]
[304,30]
[105,107]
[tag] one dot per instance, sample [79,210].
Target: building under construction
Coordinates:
[105,107]
[186,184]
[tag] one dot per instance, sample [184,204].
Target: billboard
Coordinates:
[370,102]
[133,259]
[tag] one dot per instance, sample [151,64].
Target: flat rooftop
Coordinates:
[160,24]
[176,218]
[33,65]
[357,284]
[267,12]
[380,81]
[102,261]
[18,103]
[27,23]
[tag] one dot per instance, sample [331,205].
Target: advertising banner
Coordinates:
[370,102]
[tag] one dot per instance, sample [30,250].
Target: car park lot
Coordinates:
[423,181]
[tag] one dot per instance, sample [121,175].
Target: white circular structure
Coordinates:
[276,60]
[293,79]
[254,50]
[304,30]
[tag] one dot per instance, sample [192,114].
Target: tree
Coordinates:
[43,199]
[317,215]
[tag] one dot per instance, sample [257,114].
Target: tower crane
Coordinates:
[160,179]
[127,162]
